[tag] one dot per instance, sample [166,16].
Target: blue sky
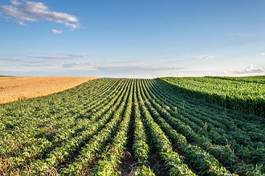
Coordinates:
[139,38]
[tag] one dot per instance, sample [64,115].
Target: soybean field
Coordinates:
[129,127]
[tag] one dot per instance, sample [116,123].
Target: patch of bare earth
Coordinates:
[16,88]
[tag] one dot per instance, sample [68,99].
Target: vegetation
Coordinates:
[128,127]
[246,94]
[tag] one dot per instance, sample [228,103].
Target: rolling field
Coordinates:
[131,127]
[17,88]
[246,94]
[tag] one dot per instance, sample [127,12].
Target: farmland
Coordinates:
[246,94]
[133,127]
[17,88]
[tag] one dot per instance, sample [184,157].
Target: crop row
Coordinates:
[128,127]
[237,94]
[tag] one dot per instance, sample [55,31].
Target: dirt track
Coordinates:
[15,88]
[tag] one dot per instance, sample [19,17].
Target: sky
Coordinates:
[132,38]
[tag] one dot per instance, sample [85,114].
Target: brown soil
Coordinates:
[16,88]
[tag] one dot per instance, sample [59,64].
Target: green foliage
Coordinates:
[86,131]
[245,94]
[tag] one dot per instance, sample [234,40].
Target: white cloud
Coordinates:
[251,69]
[262,54]
[57,31]
[23,11]
[80,66]
[122,70]
[76,64]
[205,57]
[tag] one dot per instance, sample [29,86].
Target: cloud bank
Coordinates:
[23,11]
[78,64]
[251,69]
[81,65]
